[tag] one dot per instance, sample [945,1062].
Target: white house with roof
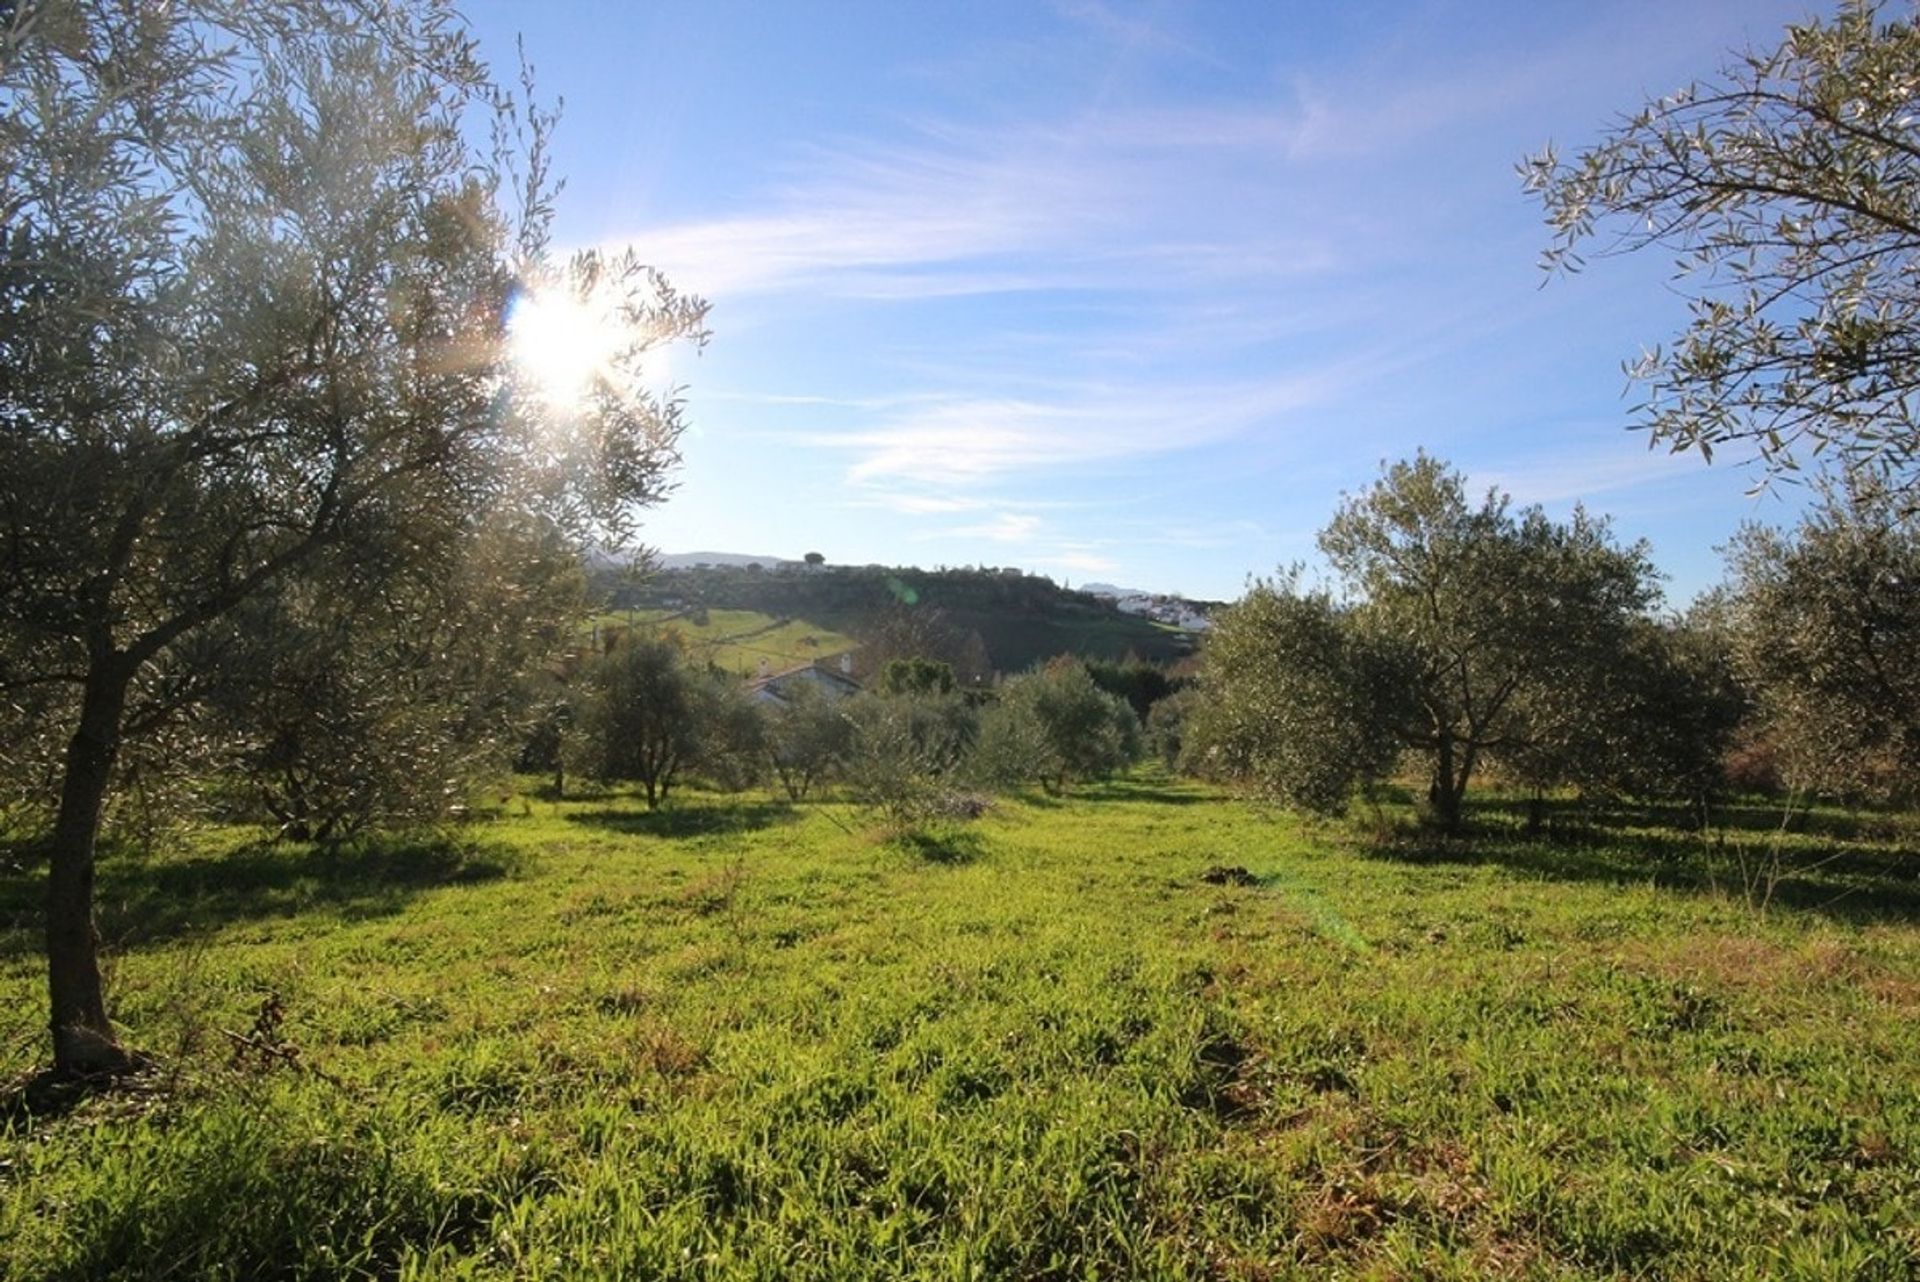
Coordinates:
[833,677]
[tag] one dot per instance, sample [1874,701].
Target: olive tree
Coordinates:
[348,701]
[1461,636]
[1295,700]
[255,290]
[1652,719]
[808,736]
[1487,611]
[1789,186]
[648,714]
[1824,622]
[1055,725]
[908,755]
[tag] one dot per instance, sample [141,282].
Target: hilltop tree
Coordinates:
[254,290]
[1790,187]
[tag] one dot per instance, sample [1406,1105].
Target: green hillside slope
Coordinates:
[1020,619]
[736,640]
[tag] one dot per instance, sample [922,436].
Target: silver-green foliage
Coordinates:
[254,282]
[1053,726]
[1497,621]
[648,714]
[908,756]
[1790,189]
[1824,621]
[808,736]
[1294,700]
[1467,632]
[345,704]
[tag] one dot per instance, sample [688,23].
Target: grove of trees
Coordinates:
[1467,633]
[1466,636]
[284,518]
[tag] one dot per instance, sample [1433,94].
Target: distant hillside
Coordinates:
[1175,611]
[737,640]
[1019,619]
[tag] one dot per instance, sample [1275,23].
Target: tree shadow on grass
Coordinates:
[1155,791]
[1830,864]
[942,847]
[144,900]
[49,1094]
[688,821]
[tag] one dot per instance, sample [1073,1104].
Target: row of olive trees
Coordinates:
[914,747]
[1466,636]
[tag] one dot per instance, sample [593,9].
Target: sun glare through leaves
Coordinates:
[563,345]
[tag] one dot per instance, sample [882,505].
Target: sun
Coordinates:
[563,344]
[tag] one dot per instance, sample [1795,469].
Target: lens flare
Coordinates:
[562,344]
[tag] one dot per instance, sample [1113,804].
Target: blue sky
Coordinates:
[1120,291]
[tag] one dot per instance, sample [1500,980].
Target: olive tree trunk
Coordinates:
[83,1038]
[1453,763]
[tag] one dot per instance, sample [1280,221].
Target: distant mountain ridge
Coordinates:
[736,560]
[600,558]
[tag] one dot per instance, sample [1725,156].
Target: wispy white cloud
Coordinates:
[1132,31]
[1084,561]
[1577,475]
[1097,200]
[910,504]
[1007,527]
[1346,120]
[971,439]
[1202,534]
[866,207]
[1077,201]
[871,403]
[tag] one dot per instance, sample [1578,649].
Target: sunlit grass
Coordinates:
[742,1039]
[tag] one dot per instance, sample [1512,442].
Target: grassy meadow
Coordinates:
[737,641]
[1145,1031]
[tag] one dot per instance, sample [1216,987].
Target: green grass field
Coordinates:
[744,1040]
[738,640]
